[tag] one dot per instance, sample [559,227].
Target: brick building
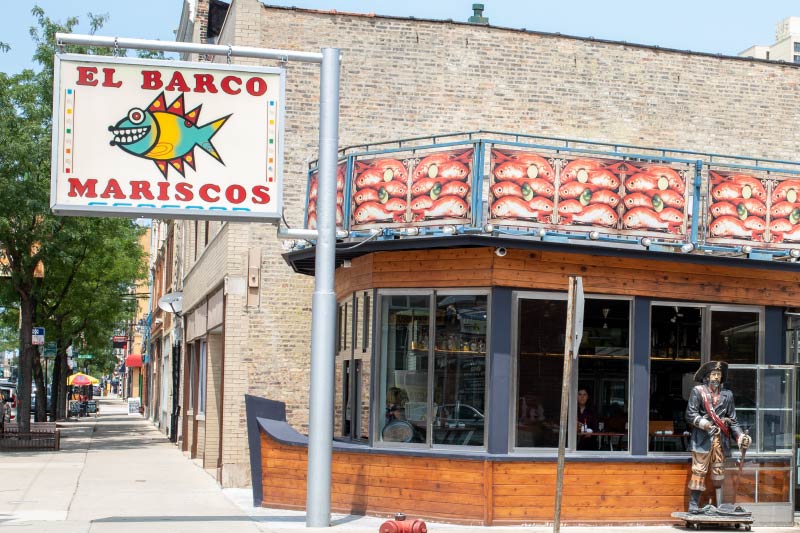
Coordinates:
[247,315]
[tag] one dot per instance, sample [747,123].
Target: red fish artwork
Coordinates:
[447,206]
[643,218]
[371,212]
[513,207]
[727,226]
[579,168]
[513,165]
[598,214]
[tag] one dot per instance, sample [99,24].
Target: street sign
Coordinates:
[84,356]
[38,336]
[49,350]
[119,341]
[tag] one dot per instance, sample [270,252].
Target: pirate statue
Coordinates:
[712,415]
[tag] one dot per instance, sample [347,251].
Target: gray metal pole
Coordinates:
[187,48]
[323,313]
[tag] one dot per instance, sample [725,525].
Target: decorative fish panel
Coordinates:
[425,189]
[311,196]
[757,208]
[613,196]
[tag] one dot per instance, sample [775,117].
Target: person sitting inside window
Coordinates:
[587,422]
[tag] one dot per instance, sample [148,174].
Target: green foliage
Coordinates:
[89,263]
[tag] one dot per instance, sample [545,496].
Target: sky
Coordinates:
[713,26]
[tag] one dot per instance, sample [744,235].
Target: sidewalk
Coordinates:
[113,473]
[117,473]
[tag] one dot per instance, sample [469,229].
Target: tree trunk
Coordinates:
[26,349]
[59,388]
[41,392]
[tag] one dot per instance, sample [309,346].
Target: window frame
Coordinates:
[572,418]
[378,399]
[707,310]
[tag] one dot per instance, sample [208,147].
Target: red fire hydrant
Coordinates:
[401,525]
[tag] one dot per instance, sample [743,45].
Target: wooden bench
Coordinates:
[42,436]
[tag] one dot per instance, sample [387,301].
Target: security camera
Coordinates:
[500,252]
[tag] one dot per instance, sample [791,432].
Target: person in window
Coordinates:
[587,422]
[712,416]
[397,428]
[396,400]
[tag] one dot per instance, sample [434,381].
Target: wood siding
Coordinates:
[486,492]
[547,270]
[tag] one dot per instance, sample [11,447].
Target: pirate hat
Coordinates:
[708,367]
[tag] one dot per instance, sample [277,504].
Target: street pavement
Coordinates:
[117,473]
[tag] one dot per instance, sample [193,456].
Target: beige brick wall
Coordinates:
[404,78]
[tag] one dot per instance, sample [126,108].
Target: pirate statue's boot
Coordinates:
[694,501]
[718,491]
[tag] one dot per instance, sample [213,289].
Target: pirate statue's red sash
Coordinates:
[712,413]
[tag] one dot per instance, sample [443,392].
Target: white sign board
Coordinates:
[166,139]
[133,406]
[577,319]
[38,337]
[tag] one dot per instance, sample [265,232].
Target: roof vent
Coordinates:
[477,17]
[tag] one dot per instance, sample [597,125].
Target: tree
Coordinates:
[75,251]
[84,294]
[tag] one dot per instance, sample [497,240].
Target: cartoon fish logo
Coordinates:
[165,134]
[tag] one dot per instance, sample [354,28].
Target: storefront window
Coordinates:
[682,337]
[351,396]
[541,325]
[735,337]
[603,366]
[460,370]
[599,385]
[433,376]
[405,350]
[676,339]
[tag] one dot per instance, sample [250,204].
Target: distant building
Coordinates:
[786,46]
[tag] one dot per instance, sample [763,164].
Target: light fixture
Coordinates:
[543,233]
[646,241]
[606,310]
[488,228]
[746,249]
[688,247]
[449,230]
[794,252]
[411,232]
[594,235]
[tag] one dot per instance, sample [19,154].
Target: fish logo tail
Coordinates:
[207,132]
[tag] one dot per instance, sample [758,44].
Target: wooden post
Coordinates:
[562,432]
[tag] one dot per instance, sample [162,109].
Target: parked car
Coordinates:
[9,390]
[459,424]
[461,413]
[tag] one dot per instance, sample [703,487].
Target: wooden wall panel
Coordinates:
[377,484]
[544,270]
[592,492]
[486,492]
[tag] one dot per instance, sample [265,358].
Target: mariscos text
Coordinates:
[167,191]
